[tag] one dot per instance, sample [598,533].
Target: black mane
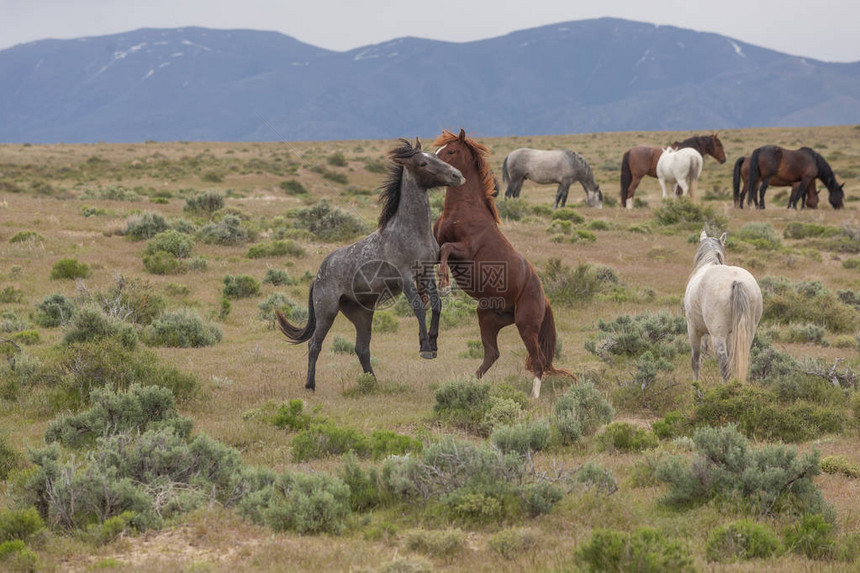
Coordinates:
[389,195]
[825,172]
[701,143]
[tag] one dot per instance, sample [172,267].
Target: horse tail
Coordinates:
[736,181]
[626,178]
[296,334]
[546,341]
[743,330]
[505,175]
[752,177]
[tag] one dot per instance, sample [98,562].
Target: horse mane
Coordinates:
[389,195]
[479,152]
[713,254]
[825,172]
[701,143]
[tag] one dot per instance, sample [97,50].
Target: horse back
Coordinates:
[642,160]
[709,293]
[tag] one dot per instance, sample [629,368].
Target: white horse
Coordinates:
[681,166]
[725,303]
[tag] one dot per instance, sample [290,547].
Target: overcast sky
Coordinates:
[822,29]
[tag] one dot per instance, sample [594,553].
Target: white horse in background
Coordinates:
[681,166]
[725,303]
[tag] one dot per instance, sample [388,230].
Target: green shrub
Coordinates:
[579,412]
[70,269]
[276,249]
[683,210]
[384,322]
[440,543]
[163,263]
[181,329]
[277,277]
[307,503]
[366,383]
[363,485]
[840,465]
[659,333]
[292,416]
[851,263]
[512,543]
[623,437]
[16,556]
[568,287]
[293,187]
[522,439]
[325,438]
[240,286]
[138,409]
[644,550]
[340,345]
[330,224]
[212,177]
[54,310]
[512,209]
[771,479]
[9,322]
[807,333]
[206,202]
[475,406]
[798,230]
[228,231]
[568,214]
[740,540]
[814,537]
[337,159]
[21,524]
[806,302]
[11,295]
[90,323]
[132,301]
[598,477]
[9,458]
[145,226]
[26,337]
[600,225]
[760,235]
[172,242]
[26,237]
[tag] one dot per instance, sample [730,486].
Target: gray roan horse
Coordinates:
[397,257]
[725,303]
[544,167]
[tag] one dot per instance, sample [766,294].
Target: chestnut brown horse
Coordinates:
[739,187]
[771,162]
[642,160]
[485,264]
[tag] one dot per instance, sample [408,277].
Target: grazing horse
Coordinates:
[395,258]
[773,163]
[543,167]
[486,266]
[725,303]
[642,160]
[740,175]
[681,166]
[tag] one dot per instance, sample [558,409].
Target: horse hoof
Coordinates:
[445,291]
[428,354]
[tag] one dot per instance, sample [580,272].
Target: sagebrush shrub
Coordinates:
[181,329]
[240,286]
[513,209]
[522,438]
[278,277]
[569,287]
[580,412]
[293,187]
[598,477]
[228,231]
[145,225]
[683,210]
[276,249]
[206,202]
[761,235]
[26,237]
[659,332]
[54,310]
[771,479]
[164,263]
[90,323]
[132,301]
[807,302]
[624,437]
[329,223]
[384,322]
[340,345]
[172,242]
[11,295]
[70,269]
[740,540]
[512,543]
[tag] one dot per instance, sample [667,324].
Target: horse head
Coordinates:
[427,169]
[594,197]
[837,196]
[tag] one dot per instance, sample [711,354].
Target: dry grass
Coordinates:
[253,364]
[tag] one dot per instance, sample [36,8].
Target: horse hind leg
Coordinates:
[325,315]
[695,351]
[362,319]
[491,322]
[721,349]
[561,195]
[634,184]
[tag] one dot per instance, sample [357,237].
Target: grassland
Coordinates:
[77,199]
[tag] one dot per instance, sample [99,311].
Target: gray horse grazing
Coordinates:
[725,303]
[397,257]
[543,167]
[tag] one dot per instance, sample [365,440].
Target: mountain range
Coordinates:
[574,77]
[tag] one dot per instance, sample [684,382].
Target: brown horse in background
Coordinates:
[642,160]
[771,162]
[485,264]
[740,175]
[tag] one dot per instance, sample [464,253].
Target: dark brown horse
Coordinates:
[740,177]
[642,160]
[486,266]
[773,163]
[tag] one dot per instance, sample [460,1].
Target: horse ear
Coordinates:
[462,136]
[723,239]
[417,143]
[703,236]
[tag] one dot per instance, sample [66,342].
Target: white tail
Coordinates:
[743,331]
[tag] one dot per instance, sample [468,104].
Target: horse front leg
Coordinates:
[414,298]
[460,251]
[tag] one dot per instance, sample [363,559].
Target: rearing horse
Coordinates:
[486,266]
[642,160]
